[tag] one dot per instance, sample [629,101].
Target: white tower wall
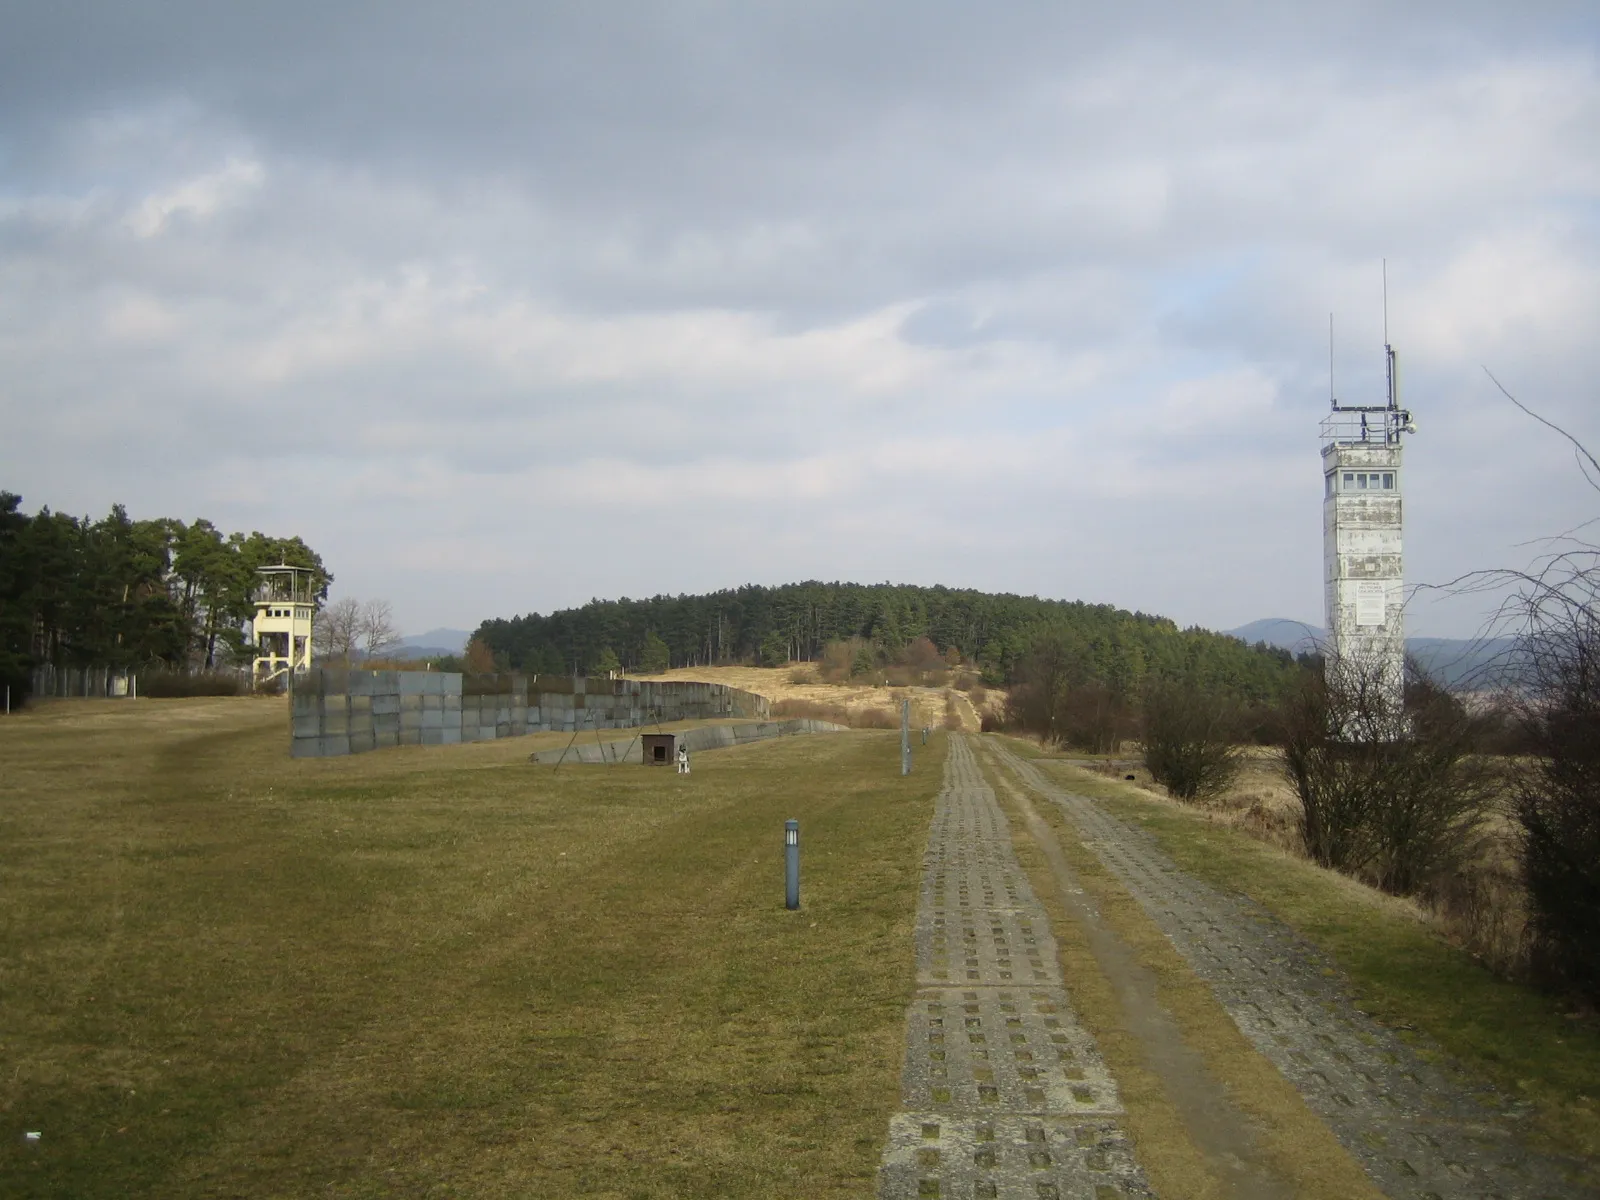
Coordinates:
[1363,570]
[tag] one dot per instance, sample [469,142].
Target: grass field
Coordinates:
[443,971]
[1401,970]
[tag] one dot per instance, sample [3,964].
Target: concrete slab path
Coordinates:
[1420,1130]
[1003,1092]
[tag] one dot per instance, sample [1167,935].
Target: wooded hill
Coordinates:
[795,621]
[117,592]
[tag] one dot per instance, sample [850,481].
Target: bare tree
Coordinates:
[336,630]
[1191,739]
[1044,677]
[1555,685]
[1389,789]
[376,629]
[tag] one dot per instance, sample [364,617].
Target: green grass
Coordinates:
[1401,972]
[444,971]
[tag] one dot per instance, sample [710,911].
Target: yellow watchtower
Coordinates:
[285,604]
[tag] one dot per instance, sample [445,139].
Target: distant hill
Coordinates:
[1294,636]
[1454,662]
[431,644]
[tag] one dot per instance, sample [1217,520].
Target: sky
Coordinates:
[505,306]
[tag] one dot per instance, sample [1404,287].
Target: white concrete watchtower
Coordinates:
[1361,528]
[286,603]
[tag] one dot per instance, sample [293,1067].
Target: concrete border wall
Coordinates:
[350,712]
[707,737]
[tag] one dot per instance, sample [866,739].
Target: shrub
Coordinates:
[952,714]
[1436,797]
[816,710]
[1335,801]
[1557,805]
[921,656]
[873,718]
[1095,717]
[1190,740]
[838,660]
[1387,791]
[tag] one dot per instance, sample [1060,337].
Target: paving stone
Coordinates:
[1421,1129]
[1007,1155]
[1003,1050]
[1003,1093]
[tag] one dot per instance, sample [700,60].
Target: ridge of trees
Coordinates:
[116,592]
[996,632]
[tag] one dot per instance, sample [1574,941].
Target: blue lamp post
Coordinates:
[791,864]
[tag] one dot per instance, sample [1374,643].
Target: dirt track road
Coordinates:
[1417,1129]
[1054,1050]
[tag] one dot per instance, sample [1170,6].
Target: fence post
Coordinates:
[905,737]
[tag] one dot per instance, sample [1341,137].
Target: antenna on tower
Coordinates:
[1388,350]
[1386,302]
[1341,428]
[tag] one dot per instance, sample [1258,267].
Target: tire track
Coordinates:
[1420,1131]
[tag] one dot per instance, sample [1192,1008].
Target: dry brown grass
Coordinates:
[443,970]
[857,699]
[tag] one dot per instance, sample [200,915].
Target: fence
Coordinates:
[349,712]
[84,682]
[118,683]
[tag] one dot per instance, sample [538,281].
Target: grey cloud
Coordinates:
[793,253]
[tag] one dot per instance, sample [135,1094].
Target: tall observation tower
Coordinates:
[1361,523]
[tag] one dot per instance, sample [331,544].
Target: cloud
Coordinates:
[200,197]
[1033,298]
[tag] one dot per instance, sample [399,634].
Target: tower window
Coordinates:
[1367,481]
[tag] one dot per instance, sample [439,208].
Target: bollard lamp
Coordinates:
[791,864]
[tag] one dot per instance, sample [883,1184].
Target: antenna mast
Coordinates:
[1388,350]
[1337,427]
[1332,403]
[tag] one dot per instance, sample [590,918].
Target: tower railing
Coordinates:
[1364,427]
